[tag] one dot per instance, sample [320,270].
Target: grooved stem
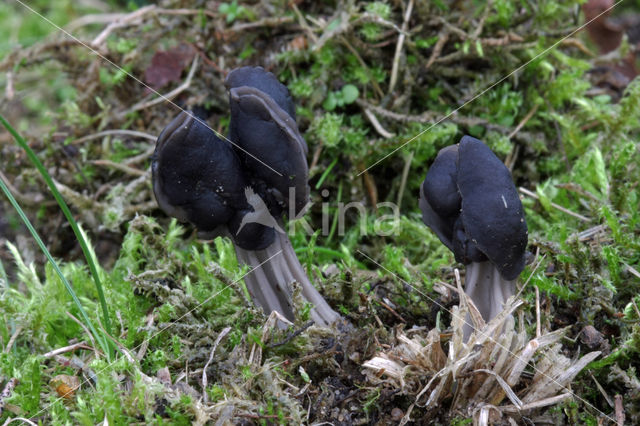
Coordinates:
[270,284]
[488,290]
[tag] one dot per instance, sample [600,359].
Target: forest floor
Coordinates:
[152,324]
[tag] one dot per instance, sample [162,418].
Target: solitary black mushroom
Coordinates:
[243,190]
[469,200]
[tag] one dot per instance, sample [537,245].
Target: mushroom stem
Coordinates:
[488,290]
[269,284]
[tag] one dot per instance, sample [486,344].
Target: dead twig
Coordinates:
[619,409]
[223,333]
[145,343]
[443,37]
[140,157]
[119,166]
[86,330]
[120,22]
[204,11]
[113,132]
[376,125]
[65,349]
[485,14]
[13,338]
[270,21]
[364,65]
[292,335]
[524,121]
[531,194]
[405,175]
[399,45]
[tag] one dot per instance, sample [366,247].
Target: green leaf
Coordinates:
[350,93]
[330,102]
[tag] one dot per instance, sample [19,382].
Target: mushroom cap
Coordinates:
[469,200]
[263,125]
[264,81]
[198,177]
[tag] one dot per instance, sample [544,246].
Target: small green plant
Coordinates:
[345,96]
[232,11]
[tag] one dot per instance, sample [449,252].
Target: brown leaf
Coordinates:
[65,385]
[167,66]
[606,34]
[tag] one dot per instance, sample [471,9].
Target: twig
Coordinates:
[6,392]
[602,391]
[619,409]
[223,333]
[535,268]
[172,94]
[12,339]
[204,10]
[9,91]
[292,335]
[524,121]
[119,166]
[370,185]
[483,18]
[316,156]
[364,65]
[429,117]
[86,330]
[115,132]
[538,325]
[574,42]
[631,270]
[270,21]
[405,175]
[303,23]
[20,419]
[393,312]
[377,126]
[531,194]
[96,18]
[399,45]
[404,118]
[121,22]
[443,37]
[263,416]
[145,342]
[65,349]
[140,157]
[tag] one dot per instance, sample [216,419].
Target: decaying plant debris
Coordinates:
[484,378]
[368,76]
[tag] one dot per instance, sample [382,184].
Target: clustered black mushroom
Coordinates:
[243,189]
[469,200]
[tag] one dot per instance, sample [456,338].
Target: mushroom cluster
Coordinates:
[469,200]
[242,187]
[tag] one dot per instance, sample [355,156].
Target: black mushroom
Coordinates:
[245,188]
[469,200]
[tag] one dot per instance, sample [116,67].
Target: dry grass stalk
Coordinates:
[484,378]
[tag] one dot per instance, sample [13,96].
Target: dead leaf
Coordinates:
[65,385]
[167,66]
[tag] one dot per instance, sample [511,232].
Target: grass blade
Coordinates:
[67,213]
[27,222]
